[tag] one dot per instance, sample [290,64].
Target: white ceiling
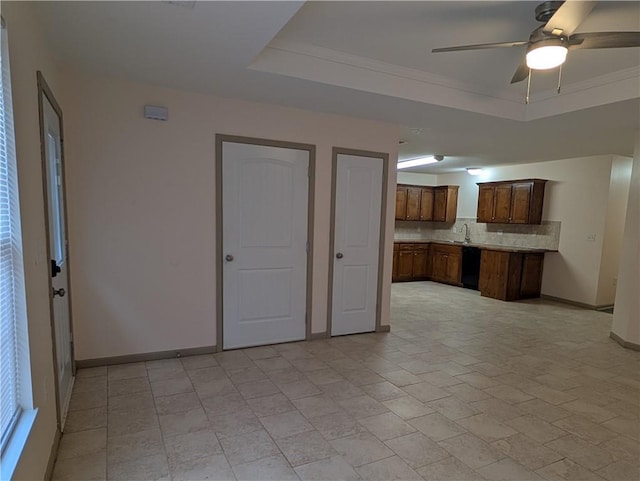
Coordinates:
[374,60]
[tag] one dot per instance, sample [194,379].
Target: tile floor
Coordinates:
[463,388]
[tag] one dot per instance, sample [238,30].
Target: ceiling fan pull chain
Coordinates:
[559,78]
[526,99]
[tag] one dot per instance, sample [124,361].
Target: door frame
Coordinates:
[383,225]
[44,91]
[311,149]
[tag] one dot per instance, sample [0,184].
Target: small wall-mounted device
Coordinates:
[156,113]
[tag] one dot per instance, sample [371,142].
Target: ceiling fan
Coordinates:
[548,44]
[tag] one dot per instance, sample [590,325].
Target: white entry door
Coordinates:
[54,179]
[358,207]
[264,244]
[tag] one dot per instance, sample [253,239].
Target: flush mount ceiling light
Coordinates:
[474,170]
[431,159]
[547,54]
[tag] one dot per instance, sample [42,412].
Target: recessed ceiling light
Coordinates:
[474,170]
[405,164]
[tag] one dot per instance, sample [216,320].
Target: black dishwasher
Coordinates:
[470,267]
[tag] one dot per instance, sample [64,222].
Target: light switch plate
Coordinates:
[591,237]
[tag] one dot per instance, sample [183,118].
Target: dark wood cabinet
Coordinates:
[446,263]
[511,202]
[401,202]
[531,282]
[509,276]
[405,262]
[420,261]
[414,202]
[426,203]
[410,261]
[502,204]
[486,196]
[445,203]
[504,274]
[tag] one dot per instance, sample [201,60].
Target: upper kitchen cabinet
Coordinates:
[445,203]
[401,202]
[415,202]
[426,203]
[511,202]
[408,201]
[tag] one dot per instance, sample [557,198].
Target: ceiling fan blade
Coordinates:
[480,46]
[605,40]
[522,72]
[567,18]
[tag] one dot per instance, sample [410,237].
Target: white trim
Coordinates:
[17,441]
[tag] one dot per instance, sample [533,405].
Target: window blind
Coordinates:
[12,302]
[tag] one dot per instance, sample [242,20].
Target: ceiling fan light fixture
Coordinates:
[546,54]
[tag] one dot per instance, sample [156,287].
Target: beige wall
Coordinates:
[626,315]
[28,53]
[613,230]
[417,179]
[576,195]
[142,208]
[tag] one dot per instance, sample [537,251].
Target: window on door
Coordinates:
[55,200]
[16,403]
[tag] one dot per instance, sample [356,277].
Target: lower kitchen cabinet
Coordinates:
[405,263]
[446,263]
[510,276]
[504,274]
[531,281]
[420,261]
[410,261]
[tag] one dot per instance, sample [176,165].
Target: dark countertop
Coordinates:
[492,247]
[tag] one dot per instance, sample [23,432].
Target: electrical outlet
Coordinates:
[591,237]
[500,232]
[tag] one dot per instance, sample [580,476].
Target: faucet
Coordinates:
[467,239]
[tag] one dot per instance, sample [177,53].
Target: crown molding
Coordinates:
[605,89]
[333,67]
[320,64]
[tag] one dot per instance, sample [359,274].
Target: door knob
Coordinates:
[228,257]
[339,255]
[59,292]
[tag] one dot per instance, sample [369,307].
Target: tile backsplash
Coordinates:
[543,236]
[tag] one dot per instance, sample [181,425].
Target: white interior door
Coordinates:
[264,244]
[358,206]
[58,250]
